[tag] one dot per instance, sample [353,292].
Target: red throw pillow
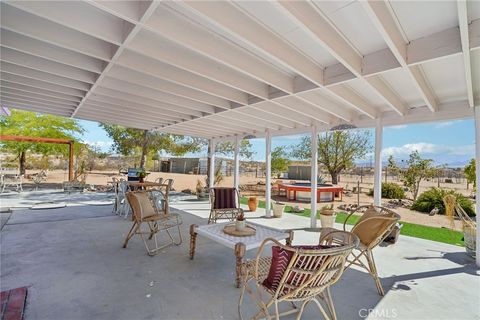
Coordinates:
[280,260]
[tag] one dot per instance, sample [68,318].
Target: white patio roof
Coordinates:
[219,69]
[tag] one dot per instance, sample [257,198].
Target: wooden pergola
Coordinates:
[47,140]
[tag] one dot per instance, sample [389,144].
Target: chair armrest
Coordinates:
[259,254]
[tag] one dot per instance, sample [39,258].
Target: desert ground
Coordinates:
[255,186]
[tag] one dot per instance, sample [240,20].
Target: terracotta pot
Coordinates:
[141,179]
[252,204]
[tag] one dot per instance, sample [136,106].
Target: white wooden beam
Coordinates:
[131,35]
[45,50]
[313,176]
[317,100]
[268,172]
[34,83]
[41,64]
[236,163]
[380,15]
[226,16]
[86,19]
[166,109]
[43,76]
[33,26]
[176,28]
[149,44]
[36,97]
[128,111]
[477,177]
[350,97]
[132,76]
[295,104]
[152,94]
[90,109]
[46,93]
[313,21]
[211,178]
[35,108]
[377,184]
[273,108]
[127,97]
[27,100]
[463,25]
[159,69]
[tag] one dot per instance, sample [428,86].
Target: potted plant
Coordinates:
[201,190]
[240,223]
[278,208]
[252,204]
[327,216]
[141,174]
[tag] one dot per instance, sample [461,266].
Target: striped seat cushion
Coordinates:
[225,198]
[280,260]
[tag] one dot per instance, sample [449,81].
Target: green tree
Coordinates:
[415,170]
[279,162]
[130,141]
[391,166]
[470,172]
[227,148]
[31,124]
[337,150]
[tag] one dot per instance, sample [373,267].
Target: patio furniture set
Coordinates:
[292,273]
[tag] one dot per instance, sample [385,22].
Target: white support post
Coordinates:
[477,172]
[211,178]
[236,163]
[313,177]
[377,185]
[268,172]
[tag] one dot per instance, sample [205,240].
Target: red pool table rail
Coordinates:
[289,188]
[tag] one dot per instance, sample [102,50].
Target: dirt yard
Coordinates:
[255,186]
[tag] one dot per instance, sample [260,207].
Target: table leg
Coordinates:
[240,249]
[289,240]
[193,240]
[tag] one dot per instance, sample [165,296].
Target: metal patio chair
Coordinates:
[14,181]
[225,204]
[372,228]
[150,208]
[297,274]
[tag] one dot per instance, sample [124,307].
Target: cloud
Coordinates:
[445,124]
[425,148]
[401,126]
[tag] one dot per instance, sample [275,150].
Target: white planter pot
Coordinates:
[327,221]
[240,225]
[278,209]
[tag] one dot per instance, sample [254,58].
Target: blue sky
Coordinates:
[450,142]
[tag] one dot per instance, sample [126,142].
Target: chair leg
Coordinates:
[130,234]
[302,307]
[374,273]
[329,301]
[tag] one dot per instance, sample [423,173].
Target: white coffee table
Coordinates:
[239,244]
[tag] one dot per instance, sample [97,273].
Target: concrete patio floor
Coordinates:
[72,261]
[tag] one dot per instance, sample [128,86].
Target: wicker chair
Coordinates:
[151,208]
[225,204]
[307,274]
[372,228]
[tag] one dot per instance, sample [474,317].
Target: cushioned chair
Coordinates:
[225,204]
[151,208]
[297,274]
[372,228]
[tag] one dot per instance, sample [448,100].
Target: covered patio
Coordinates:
[72,262]
[229,71]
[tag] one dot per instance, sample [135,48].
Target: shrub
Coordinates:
[434,198]
[390,191]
